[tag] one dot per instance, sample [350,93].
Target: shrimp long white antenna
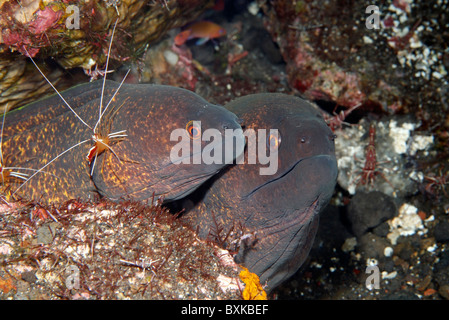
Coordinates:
[1,152]
[56,90]
[107,65]
[48,163]
[1,134]
[112,98]
[21,174]
[101,111]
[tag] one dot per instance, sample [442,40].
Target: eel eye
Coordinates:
[194,129]
[273,141]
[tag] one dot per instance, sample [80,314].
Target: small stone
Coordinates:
[424,283]
[367,40]
[46,233]
[389,275]
[349,244]
[388,251]
[432,248]
[253,8]
[171,57]
[29,276]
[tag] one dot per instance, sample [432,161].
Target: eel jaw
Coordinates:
[288,258]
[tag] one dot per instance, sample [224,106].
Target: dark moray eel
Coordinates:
[140,163]
[271,220]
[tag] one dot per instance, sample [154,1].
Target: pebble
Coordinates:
[29,276]
[46,233]
[388,251]
[253,8]
[391,275]
[171,57]
[349,244]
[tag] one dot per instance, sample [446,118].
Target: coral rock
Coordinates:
[77,34]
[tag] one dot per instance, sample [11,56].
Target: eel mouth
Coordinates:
[285,173]
[183,185]
[178,190]
[293,220]
[178,182]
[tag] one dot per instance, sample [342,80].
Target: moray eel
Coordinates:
[135,164]
[270,220]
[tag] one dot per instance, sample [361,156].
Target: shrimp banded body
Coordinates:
[47,135]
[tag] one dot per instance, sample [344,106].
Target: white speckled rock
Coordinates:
[397,144]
